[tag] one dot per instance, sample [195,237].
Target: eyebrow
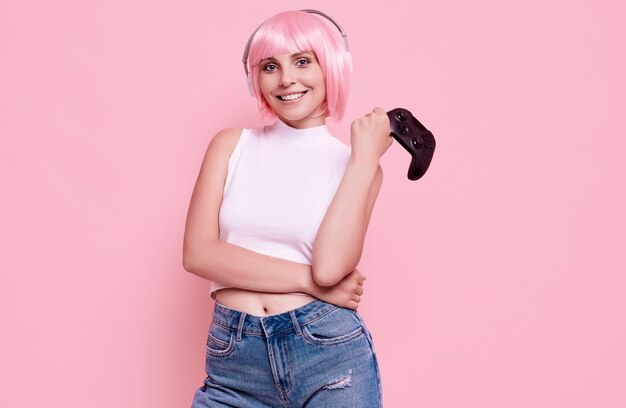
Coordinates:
[293,56]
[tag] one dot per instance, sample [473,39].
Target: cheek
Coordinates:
[264,83]
[318,79]
[265,91]
[321,86]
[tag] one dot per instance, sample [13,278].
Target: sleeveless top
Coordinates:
[279,184]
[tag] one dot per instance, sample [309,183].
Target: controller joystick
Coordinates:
[415,138]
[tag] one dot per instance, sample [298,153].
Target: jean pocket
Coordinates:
[338,326]
[220,341]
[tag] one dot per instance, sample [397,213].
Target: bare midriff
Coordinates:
[260,303]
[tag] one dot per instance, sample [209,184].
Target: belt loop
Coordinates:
[242,318]
[296,325]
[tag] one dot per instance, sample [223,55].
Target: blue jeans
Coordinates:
[318,355]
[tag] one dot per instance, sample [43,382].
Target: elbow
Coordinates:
[199,257]
[325,280]
[328,271]
[188,263]
[327,276]
[190,257]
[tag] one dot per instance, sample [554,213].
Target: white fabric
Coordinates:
[279,185]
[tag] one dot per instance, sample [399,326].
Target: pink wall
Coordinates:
[496,281]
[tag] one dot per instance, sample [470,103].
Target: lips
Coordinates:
[291,96]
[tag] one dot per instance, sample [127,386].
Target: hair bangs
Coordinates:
[270,41]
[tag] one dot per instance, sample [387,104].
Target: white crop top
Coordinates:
[279,185]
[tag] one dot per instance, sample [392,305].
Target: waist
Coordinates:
[267,325]
[259,303]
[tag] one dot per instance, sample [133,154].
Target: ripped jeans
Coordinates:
[318,355]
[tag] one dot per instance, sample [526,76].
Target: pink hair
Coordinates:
[298,31]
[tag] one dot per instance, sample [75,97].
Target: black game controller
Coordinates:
[415,138]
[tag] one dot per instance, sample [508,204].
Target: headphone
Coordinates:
[247,49]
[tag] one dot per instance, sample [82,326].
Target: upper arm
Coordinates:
[202,216]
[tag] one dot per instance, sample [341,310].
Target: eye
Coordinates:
[270,67]
[303,61]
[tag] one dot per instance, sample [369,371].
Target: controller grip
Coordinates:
[415,138]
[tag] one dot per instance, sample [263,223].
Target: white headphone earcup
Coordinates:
[249,82]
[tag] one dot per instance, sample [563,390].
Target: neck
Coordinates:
[305,123]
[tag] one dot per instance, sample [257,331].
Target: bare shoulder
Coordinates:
[228,133]
[215,163]
[220,148]
[224,141]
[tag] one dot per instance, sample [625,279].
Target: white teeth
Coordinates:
[292,96]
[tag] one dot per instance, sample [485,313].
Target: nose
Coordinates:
[287,77]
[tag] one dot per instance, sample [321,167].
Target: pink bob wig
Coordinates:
[291,32]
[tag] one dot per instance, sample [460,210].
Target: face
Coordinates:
[293,85]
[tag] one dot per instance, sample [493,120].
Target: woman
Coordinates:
[277,222]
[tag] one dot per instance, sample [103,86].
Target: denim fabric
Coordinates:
[318,355]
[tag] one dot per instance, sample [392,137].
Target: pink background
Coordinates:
[498,280]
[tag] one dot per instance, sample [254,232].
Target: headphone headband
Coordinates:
[247,49]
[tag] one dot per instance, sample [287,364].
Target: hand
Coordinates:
[345,293]
[370,135]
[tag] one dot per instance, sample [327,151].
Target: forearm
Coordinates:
[339,242]
[235,266]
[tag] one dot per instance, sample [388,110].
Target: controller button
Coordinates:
[401,115]
[404,130]
[415,143]
[429,142]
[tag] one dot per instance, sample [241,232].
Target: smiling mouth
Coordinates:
[291,97]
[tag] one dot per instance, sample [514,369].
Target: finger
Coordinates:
[378,110]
